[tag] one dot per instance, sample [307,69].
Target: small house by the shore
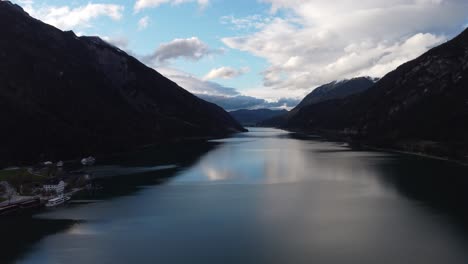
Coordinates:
[54,185]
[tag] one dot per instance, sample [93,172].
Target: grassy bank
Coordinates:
[17,177]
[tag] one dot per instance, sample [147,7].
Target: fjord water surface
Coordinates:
[266,196]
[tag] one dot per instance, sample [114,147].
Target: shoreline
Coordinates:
[334,136]
[166,142]
[34,204]
[418,154]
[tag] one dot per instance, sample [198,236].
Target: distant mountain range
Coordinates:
[422,106]
[330,91]
[253,117]
[65,96]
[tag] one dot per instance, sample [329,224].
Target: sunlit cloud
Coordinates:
[190,48]
[225,73]
[321,41]
[120,42]
[71,18]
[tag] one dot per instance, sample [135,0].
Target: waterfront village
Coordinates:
[45,184]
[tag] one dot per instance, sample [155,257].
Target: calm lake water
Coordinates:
[266,196]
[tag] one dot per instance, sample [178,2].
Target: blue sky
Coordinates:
[266,49]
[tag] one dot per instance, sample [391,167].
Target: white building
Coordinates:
[57,187]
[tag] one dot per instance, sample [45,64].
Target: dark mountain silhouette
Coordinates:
[326,92]
[336,90]
[65,96]
[253,117]
[422,106]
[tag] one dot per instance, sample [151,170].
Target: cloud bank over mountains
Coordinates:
[226,97]
[302,43]
[249,102]
[321,41]
[68,18]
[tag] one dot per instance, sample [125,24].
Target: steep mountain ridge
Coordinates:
[337,90]
[421,106]
[63,95]
[327,92]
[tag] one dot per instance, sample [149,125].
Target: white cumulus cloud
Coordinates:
[225,73]
[68,18]
[120,42]
[320,41]
[195,85]
[190,48]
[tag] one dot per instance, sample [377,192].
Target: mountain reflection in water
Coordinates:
[266,196]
